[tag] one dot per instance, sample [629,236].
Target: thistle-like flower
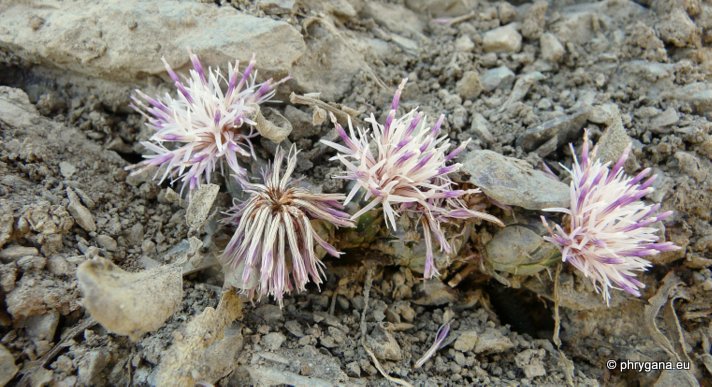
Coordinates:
[608,229]
[401,165]
[209,120]
[274,242]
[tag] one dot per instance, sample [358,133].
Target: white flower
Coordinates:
[401,165]
[208,121]
[274,241]
[608,229]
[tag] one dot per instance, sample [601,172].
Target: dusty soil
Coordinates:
[520,78]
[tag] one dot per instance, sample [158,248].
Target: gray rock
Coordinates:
[6,224]
[106,242]
[652,79]
[440,8]
[42,327]
[394,17]
[31,263]
[577,26]
[502,39]
[464,44]
[200,204]
[274,340]
[268,376]
[699,94]
[458,118]
[506,12]
[8,369]
[693,166]
[378,311]
[564,128]
[134,236]
[67,169]
[435,292]
[406,312]
[678,29]
[521,88]
[641,70]
[662,184]
[497,77]
[678,378]
[269,313]
[667,118]
[605,114]
[613,141]
[466,341]
[383,344]
[81,214]
[276,7]
[491,341]
[41,377]
[409,46]
[48,222]
[514,182]
[32,296]
[353,369]
[530,361]
[148,247]
[125,40]
[469,86]
[480,128]
[534,19]
[8,276]
[14,252]
[59,266]
[91,366]
[331,63]
[551,49]
[294,328]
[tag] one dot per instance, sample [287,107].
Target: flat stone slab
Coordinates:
[514,182]
[125,40]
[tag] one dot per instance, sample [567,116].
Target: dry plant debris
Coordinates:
[126,303]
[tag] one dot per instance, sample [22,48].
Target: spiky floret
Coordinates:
[401,165]
[608,230]
[274,242]
[208,121]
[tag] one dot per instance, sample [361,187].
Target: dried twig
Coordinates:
[383,372]
[342,113]
[666,291]
[451,21]
[469,268]
[557,301]
[567,365]
[366,295]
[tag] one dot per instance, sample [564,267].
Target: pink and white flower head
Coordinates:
[209,120]
[608,230]
[401,165]
[274,242]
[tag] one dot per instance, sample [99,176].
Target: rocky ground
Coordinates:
[522,79]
